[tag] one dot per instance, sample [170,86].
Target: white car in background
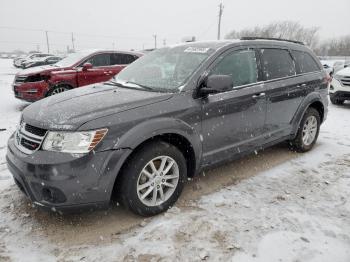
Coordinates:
[339,90]
[18,62]
[333,66]
[327,66]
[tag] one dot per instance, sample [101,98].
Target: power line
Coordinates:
[66,32]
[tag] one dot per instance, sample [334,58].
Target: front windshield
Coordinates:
[165,69]
[71,59]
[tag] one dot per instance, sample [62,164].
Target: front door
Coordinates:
[233,121]
[100,71]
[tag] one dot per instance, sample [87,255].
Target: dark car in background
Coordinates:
[76,70]
[49,60]
[163,119]
[18,62]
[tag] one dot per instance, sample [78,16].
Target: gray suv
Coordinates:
[165,118]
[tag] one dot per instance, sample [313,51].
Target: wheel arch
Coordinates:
[57,84]
[314,100]
[187,141]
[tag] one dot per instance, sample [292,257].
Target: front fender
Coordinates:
[155,127]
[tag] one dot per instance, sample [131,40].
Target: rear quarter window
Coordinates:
[304,62]
[122,59]
[277,63]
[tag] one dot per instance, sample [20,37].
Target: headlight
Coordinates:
[73,142]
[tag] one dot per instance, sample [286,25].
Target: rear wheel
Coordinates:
[57,90]
[153,179]
[308,131]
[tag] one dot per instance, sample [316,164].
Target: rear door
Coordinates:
[233,121]
[283,92]
[119,61]
[100,71]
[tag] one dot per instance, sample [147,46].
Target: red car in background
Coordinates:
[76,70]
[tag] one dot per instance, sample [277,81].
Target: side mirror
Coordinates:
[87,66]
[217,84]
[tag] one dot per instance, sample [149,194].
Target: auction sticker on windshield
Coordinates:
[201,50]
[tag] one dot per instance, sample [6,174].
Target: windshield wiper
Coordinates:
[139,85]
[112,83]
[132,85]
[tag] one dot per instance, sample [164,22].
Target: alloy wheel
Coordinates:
[58,90]
[309,130]
[157,181]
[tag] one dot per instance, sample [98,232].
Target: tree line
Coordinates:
[291,30]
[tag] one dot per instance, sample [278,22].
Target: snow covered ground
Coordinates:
[273,206]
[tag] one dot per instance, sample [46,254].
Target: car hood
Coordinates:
[71,109]
[39,69]
[344,72]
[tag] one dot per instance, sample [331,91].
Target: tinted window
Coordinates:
[100,60]
[122,59]
[277,63]
[240,65]
[304,62]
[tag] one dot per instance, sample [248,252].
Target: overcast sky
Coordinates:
[130,24]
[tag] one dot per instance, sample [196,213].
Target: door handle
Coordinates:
[258,95]
[107,73]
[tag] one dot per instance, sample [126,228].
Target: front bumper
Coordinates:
[31,91]
[65,182]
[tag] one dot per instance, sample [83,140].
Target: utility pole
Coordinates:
[47,42]
[73,42]
[221,8]
[155,41]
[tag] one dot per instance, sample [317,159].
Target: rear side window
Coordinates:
[277,63]
[122,59]
[100,60]
[241,65]
[304,62]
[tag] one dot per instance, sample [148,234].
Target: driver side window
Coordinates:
[240,65]
[99,60]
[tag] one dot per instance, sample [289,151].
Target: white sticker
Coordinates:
[201,50]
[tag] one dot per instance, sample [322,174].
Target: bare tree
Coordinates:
[335,47]
[283,29]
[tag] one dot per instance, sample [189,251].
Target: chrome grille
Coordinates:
[345,80]
[28,139]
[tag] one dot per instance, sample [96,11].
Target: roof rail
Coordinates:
[270,38]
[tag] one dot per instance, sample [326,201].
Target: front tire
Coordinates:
[307,132]
[57,90]
[336,101]
[153,179]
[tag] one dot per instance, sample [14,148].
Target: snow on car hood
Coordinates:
[344,72]
[39,69]
[71,109]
